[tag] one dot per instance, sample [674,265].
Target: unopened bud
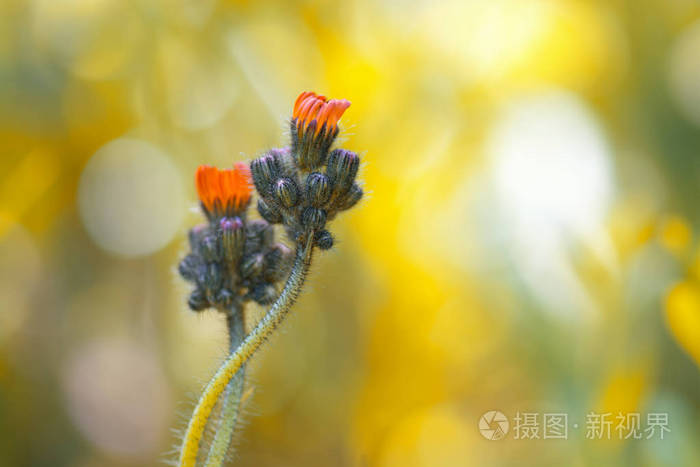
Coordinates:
[313,218]
[195,235]
[287,192]
[323,239]
[270,214]
[188,267]
[350,198]
[277,263]
[342,169]
[264,294]
[210,248]
[232,237]
[251,266]
[265,170]
[259,234]
[317,189]
[212,277]
[272,258]
[224,297]
[197,300]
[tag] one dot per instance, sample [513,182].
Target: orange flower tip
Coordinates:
[300,99]
[310,107]
[223,192]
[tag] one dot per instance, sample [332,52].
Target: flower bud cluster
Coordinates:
[306,185]
[232,260]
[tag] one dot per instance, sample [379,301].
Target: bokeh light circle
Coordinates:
[552,163]
[553,182]
[131,197]
[117,397]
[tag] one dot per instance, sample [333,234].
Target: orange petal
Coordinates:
[223,189]
[313,111]
[310,106]
[203,183]
[332,112]
[298,102]
[305,107]
[242,183]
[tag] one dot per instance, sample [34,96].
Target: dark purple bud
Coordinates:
[350,198]
[287,192]
[317,189]
[252,266]
[270,214]
[197,300]
[195,235]
[259,234]
[212,277]
[232,237]
[188,267]
[278,261]
[272,258]
[342,169]
[224,297]
[266,170]
[264,294]
[323,239]
[210,248]
[313,218]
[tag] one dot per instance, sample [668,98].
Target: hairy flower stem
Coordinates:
[274,316]
[232,397]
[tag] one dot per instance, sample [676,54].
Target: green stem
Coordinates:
[232,397]
[252,342]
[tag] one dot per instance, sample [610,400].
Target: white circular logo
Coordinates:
[493,425]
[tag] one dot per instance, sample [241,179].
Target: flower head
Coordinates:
[223,192]
[310,107]
[232,259]
[305,186]
[314,127]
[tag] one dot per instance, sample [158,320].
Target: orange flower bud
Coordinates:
[223,192]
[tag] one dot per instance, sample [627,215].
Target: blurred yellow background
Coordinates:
[529,243]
